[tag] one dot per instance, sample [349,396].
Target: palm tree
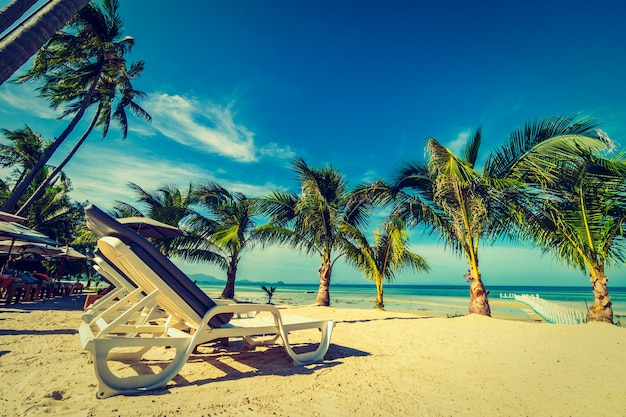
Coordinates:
[168,205]
[80,67]
[449,197]
[27,147]
[13,11]
[577,212]
[21,45]
[224,233]
[128,94]
[315,220]
[465,206]
[54,214]
[389,254]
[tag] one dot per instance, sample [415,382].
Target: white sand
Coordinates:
[379,364]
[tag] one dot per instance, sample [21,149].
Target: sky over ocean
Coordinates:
[237,89]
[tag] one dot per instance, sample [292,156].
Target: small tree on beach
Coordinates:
[270,293]
[314,220]
[23,153]
[390,253]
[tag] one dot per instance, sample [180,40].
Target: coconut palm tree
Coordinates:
[223,233]
[80,67]
[447,195]
[103,117]
[13,11]
[54,214]
[314,221]
[390,253]
[464,206]
[168,205]
[577,212]
[27,146]
[21,45]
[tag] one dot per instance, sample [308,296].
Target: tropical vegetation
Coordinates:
[30,35]
[78,67]
[389,253]
[315,220]
[556,183]
[223,233]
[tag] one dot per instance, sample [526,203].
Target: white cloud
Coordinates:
[104,179]
[274,150]
[21,99]
[201,125]
[456,146]
[101,171]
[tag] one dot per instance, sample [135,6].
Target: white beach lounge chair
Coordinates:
[125,294]
[191,316]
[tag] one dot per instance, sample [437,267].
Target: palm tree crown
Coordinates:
[389,253]
[313,221]
[81,66]
[227,229]
[573,206]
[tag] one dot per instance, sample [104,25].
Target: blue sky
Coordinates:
[239,88]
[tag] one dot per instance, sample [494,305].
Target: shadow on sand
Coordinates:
[67,302]
[232,359]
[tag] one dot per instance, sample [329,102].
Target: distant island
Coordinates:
[203,279]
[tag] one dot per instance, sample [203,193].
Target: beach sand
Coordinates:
[379,364]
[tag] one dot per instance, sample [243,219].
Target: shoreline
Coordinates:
[380,363]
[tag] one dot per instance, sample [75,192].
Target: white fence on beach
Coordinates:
[550,312]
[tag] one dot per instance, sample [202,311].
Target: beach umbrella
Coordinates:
[18,233]
[70,253]
[8,217]
[148,227]
[11,247]
[14,232]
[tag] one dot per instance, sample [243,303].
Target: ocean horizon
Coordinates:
[428,299]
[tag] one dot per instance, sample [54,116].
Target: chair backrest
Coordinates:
[104,225]
[111,272]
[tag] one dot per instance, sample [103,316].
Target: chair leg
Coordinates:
[326,329]
[110,384]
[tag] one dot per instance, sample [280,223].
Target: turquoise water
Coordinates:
[434,300]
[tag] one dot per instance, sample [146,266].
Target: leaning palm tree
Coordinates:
[13,11]
[224,233]
[80,66]
[580,216]
[25,41]
[449,196]
[168,205]
[103,116]
[314,220]
[465,206]
[24,152]
[390,253]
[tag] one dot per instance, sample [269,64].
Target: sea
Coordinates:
[430,300]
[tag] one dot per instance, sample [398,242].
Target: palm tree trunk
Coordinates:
[23,44]
[479,303]
[231,275]
[602,309]
[379,294]
[325,270]
[59,167]
[13,11]
[21,188]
